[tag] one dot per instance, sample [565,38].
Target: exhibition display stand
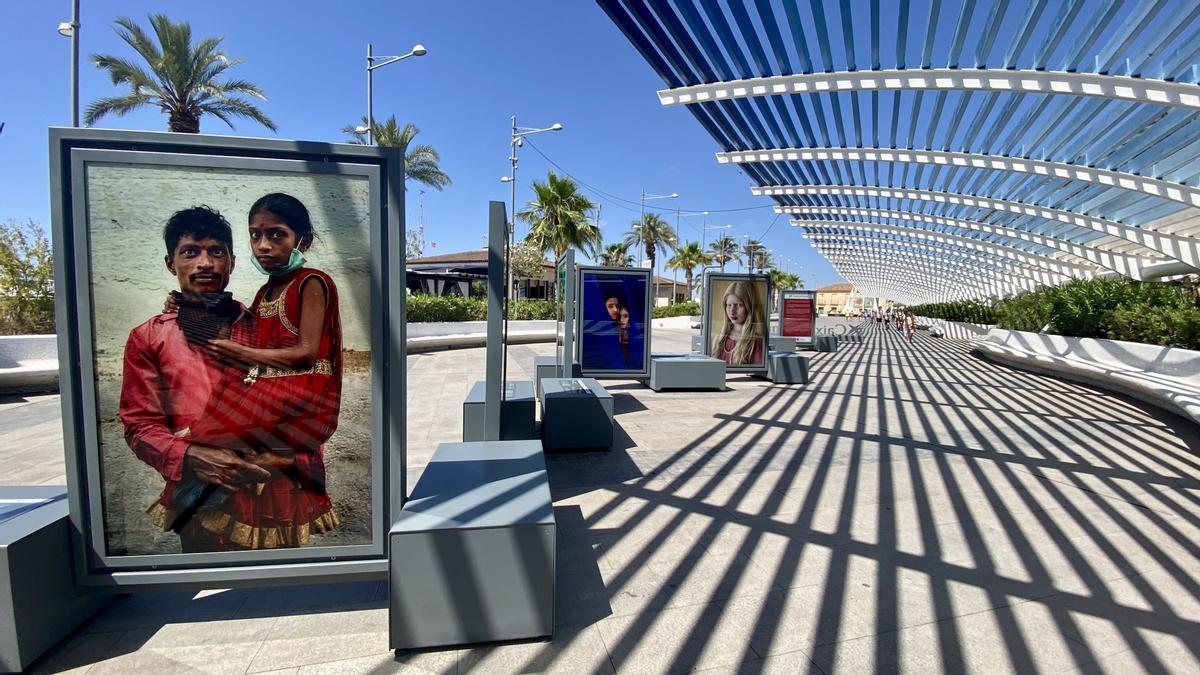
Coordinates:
[547,366]
[473,550]
[685,371]
[787,368]
[780,343]
[39,602]
[517,415]
[578,413]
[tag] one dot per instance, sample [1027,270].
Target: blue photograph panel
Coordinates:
[615,322]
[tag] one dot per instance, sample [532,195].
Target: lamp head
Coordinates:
[556,127]
[506,179]
[66,29]
[419,50]
[360,129]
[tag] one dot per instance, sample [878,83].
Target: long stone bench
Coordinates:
[28,363]
[472,553]
[1166,377]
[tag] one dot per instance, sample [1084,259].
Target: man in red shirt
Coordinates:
[168,380]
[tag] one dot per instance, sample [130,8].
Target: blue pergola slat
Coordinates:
[1025,33]
[1128,32]
[634,34]
[774,38]
[1153,56]
[901,33]
[1096,26]
[1108,135]
[1058,32]
[799,40]
[991,30]
[960,34]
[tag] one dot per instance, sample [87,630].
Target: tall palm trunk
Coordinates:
[183,122]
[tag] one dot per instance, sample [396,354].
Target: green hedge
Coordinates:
[689,308]
[1114,309]
[424,308]
[970,311]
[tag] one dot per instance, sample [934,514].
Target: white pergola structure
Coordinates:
[942,149]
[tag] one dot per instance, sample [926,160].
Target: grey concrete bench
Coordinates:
[472,553]
[685,371]
[1166,377]
[39,603]
[28,363]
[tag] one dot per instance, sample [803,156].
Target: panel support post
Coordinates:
[497,238]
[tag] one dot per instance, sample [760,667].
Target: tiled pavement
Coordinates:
[913,508]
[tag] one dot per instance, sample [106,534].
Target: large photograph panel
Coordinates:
[735,320]
[614,313]
[232,356]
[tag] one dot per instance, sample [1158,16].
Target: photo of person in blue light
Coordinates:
[614,312]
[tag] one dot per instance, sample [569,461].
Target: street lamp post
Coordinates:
[71,30]
[372,66]
[641,226]
[678,216]
[642,220]
[516,140]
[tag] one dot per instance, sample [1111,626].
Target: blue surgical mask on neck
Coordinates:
[295,261]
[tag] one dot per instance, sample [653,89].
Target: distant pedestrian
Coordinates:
[910,327]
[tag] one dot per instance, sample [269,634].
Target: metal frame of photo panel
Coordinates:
[564,348]
[786,293]
[706,323]
[70,152]
[579,334]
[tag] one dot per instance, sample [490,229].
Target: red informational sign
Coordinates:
[797,314]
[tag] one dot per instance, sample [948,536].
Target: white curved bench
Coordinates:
[1163,376]
[28,363]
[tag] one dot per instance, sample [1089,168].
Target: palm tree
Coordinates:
[614,255]
[756,255]
[653,233]
[724,249]
[181,81]
[421,162]
[558,217]
[687,258]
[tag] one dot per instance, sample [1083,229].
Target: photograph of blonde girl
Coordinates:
[737,320]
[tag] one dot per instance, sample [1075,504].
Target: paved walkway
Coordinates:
[913,508]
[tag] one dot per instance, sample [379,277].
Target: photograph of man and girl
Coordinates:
[232,405]
[613,309]
[736,319]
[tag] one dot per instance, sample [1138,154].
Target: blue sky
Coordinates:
[543,61]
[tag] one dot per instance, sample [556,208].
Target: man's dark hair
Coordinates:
[198,222]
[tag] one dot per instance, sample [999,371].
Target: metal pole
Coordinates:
[75,63]
[370,99]
[511,226]
[641,224]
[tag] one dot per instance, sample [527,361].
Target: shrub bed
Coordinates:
[1114,309]
[424,308]
[689,308]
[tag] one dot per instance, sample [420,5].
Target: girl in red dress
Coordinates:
[280,402]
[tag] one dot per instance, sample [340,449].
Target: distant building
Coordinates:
[668,291]
[843,298]
[452,274]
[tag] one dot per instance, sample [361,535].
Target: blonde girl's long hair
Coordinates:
[752,331]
